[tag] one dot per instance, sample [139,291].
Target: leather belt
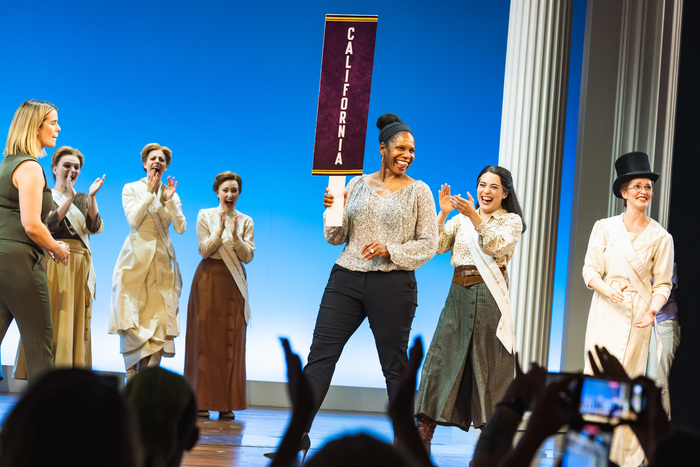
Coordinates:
[469,275]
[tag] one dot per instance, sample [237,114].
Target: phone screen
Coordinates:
[588,446]
[606,399]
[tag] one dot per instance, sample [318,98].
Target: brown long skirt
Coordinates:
[215,343]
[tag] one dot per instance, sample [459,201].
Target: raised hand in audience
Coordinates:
[606,364]
[401,408]
[302,406]
[556,405]
[497,435]
[652,425]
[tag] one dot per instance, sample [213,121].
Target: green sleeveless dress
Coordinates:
[24,293]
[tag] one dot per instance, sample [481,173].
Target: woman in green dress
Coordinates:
[470,362]
[25,201]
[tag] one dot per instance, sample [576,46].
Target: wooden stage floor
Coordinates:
[243,441]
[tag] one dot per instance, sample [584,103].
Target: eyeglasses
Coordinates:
[646,188]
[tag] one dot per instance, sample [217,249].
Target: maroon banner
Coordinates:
[343,97]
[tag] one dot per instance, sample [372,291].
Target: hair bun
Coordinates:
[388,119]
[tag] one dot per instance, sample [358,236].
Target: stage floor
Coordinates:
[243,441]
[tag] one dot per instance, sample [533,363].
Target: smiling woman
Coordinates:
[146,283]
[624,253]
[73,217]
[389,231]
[470,363]
[218,310]
[25,202]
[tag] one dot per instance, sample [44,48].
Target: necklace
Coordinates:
[385,189]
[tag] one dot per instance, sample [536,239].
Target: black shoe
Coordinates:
[304,446]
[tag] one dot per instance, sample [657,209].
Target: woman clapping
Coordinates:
[72,285]
[219,309]
[146,283]
[470,363]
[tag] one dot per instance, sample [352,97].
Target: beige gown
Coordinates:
[146,282]
[610,324]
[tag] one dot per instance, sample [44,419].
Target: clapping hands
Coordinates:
[169,190]
[96,185]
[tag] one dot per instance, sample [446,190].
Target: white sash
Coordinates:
[494,280]
[233,264]
[637,274]
[77,220]
[168,244]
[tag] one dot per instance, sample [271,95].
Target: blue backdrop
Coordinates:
[233,86]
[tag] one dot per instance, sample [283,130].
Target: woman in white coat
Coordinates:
[629,263]
[146,283]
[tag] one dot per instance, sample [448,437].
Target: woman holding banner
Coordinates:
[470,362]
[218,310]
[389,229]
[72,219]
[146,282]
[625,253]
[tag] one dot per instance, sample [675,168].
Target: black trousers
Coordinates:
[387,299]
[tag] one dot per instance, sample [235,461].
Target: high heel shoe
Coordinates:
[304,446]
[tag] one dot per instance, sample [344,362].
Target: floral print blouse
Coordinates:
[405,221]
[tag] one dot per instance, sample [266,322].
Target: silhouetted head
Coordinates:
[71,417]
[359,450]
[167,411]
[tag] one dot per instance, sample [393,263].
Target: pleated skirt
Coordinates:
[216,338]
[467,369]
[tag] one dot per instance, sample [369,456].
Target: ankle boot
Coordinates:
[426,427]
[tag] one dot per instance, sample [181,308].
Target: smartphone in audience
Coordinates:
[605,399]
[587,445]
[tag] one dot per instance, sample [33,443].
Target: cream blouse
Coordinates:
[209,241]
[498,237]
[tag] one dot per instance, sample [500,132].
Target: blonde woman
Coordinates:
[25,201]
[218,310]
[146,282]
[72,219]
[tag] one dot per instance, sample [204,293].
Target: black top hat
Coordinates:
[632,165]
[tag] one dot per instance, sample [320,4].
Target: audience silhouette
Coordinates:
[71,417]
[166,409]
